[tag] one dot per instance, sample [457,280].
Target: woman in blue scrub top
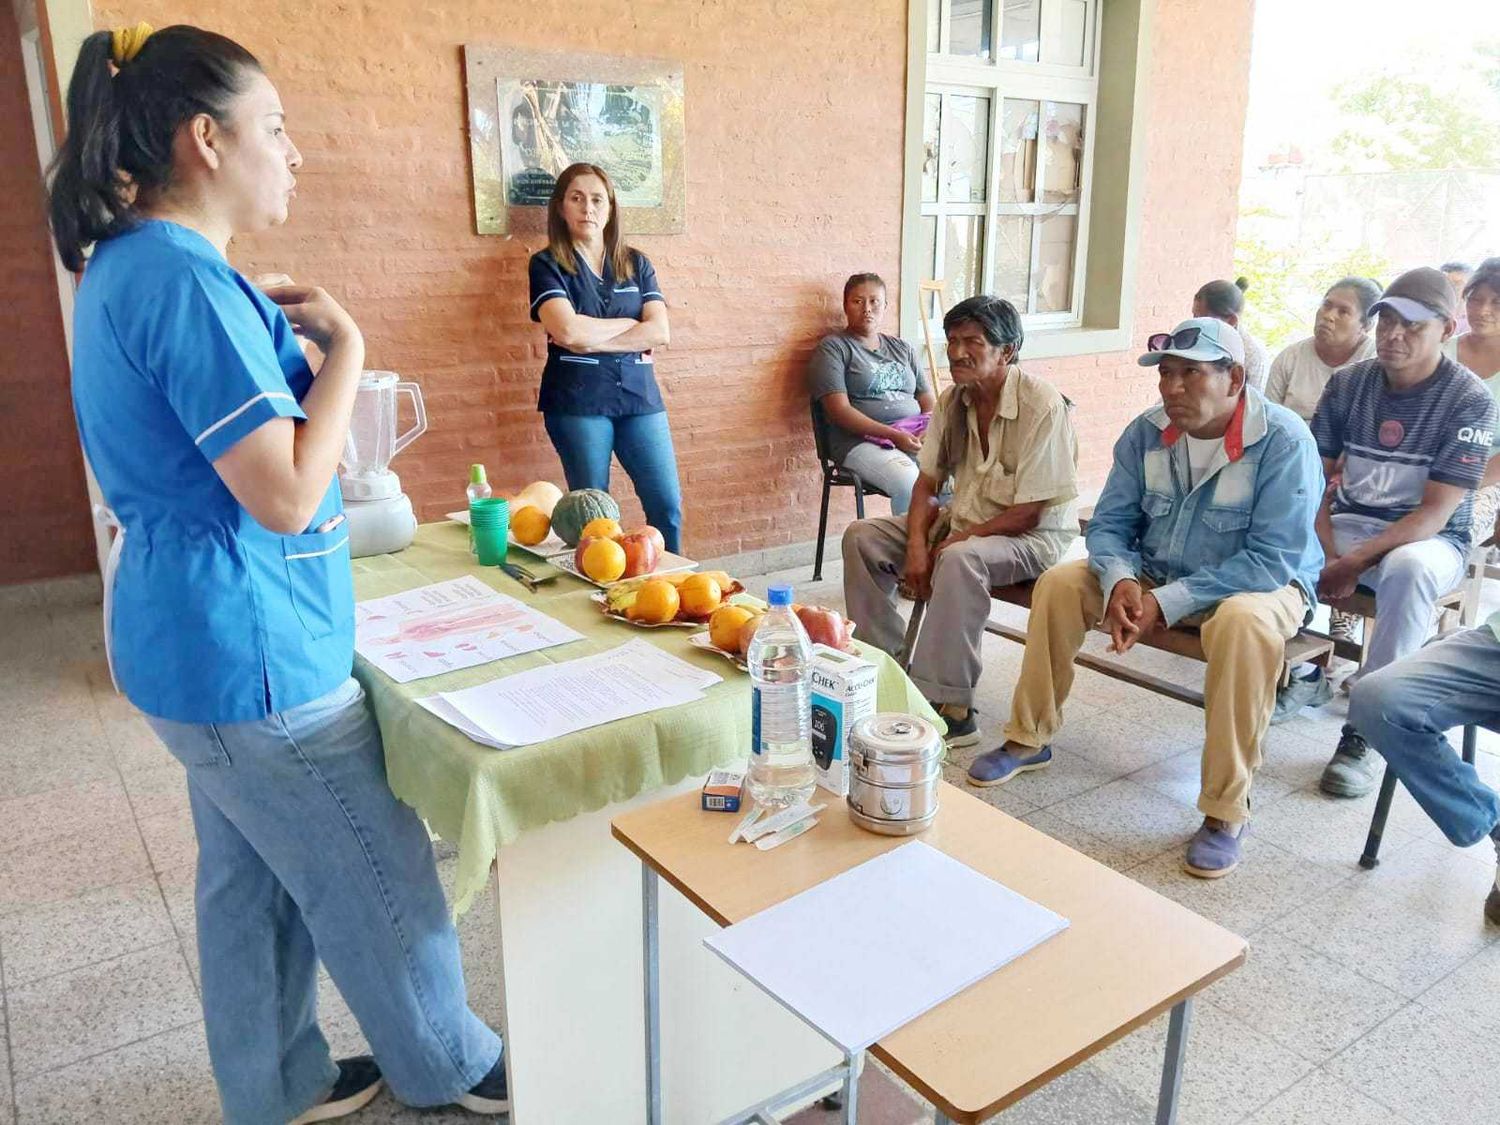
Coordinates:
[230,615]
[599,302]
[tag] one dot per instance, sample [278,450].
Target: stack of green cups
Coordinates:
[489,520]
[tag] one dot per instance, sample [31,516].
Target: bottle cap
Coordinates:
[476,474]
[779,595]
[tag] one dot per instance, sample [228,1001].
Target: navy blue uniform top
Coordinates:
[611,384]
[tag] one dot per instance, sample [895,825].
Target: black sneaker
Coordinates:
[492,1095]
[358,1082]
[1352,770]
[961,731]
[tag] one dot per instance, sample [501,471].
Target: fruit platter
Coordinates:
[680,600]
[731,626]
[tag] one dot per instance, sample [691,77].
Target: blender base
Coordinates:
[378,527]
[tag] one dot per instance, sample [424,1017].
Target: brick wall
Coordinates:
[794,148]
[45,530]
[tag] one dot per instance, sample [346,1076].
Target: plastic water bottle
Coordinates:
[780,659]
[479,489]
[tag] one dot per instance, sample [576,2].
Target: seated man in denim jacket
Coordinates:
[1207,518]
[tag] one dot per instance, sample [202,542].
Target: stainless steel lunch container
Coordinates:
[895,764]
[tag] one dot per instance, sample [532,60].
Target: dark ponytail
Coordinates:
[122,122]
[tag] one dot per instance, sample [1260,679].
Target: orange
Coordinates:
[725,625]
[603,560]
[656,603]
[721,577]
[602,528]
[530,525]
[701,595]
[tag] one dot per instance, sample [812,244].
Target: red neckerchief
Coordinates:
[1234,436]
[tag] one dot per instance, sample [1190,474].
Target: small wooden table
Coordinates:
[1128,955]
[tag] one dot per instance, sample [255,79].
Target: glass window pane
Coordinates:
[963,250]
[1018,128]
[1052,280]
[934,17]
[1013,258]
[1021,30]
[969,27]
[927,270]
[1067,23]
[1062,163]
[967,160]
[931,139]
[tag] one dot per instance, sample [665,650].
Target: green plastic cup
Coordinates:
[489,520]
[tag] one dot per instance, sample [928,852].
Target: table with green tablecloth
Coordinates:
[480,798]
[567,912]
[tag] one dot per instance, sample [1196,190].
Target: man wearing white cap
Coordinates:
[1206,519]
[1414,430]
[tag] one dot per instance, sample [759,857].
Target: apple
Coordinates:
[825,626]
[655,537]
[642,553]
[747,631]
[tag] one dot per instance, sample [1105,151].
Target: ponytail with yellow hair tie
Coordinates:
[126,42]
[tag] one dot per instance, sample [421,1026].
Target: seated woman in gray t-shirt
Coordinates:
[865,381]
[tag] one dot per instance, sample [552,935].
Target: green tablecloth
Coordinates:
[481,798]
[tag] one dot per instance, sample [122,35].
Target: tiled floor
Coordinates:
[1370,998]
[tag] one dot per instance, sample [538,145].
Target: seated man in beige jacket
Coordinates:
[1006,441]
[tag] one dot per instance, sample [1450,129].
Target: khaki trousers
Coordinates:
[1243,637]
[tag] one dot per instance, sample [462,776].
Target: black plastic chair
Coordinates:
[834,475]
[1371,857]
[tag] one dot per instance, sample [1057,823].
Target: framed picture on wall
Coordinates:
[532,114]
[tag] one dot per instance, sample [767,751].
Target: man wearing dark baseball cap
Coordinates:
[1206,518]
[1413,428]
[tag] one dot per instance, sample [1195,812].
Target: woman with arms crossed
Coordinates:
[604,313]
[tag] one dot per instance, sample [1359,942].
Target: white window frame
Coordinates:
[1001,80]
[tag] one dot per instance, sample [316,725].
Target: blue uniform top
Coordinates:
[176,358]
[613,385]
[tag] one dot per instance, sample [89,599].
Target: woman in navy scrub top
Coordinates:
[230,614]
[599,302]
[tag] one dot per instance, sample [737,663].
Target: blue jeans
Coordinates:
[1403,711]
[304,854]
[643,443]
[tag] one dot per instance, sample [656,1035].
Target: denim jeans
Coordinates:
[1403,711]
[304,854]
[642,442]
[1407,583]
[890,470]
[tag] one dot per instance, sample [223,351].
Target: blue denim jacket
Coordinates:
[1246,528]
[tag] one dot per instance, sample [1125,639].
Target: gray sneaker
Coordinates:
[1353,770]
[1314,691]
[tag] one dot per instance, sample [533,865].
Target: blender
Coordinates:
[380,514]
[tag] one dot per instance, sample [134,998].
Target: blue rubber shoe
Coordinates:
[1214,851]
[996,767]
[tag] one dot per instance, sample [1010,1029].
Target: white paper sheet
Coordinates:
[456,718]
[542,703]
[450,625]
[870,950]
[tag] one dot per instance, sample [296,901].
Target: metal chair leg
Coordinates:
[1471,743]
[859,500]
[1371,859]
[913,628]
[822,530]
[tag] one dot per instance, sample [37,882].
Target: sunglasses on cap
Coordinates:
[1182,340]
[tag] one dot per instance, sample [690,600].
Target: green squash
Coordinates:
[577,508]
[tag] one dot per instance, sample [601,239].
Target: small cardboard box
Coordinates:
[722,790]
[843,691]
